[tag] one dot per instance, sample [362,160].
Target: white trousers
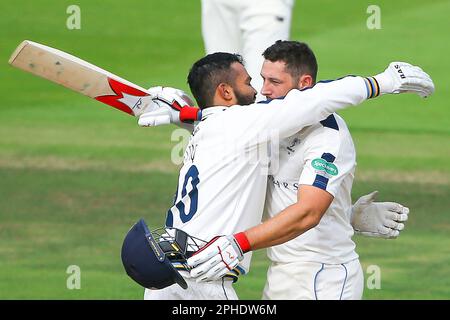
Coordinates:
[246,27]
[216,290]
[314,281]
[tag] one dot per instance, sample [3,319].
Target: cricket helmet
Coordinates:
[150,257]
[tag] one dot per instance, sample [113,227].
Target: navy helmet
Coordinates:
[146,259]
[153,258]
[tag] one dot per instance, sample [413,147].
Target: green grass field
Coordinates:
[75,174]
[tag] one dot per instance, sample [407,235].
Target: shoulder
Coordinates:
[335,122]
[331,133]
[327,128]
[334,126]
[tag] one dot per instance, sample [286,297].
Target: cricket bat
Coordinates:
[81,76]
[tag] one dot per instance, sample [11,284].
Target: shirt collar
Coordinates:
[212,110]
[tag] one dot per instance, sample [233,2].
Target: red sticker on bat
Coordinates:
[126,98]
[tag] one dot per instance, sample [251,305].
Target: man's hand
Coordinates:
[402,77]
[217,257]
[378,219]
[170,106]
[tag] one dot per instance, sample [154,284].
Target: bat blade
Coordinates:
[81,76]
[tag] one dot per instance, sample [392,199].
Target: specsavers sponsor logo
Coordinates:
[323,165]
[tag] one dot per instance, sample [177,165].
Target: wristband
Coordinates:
[243,242]
[372,87]
[189,114]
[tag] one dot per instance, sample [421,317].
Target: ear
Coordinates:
[225,91]
[305,81]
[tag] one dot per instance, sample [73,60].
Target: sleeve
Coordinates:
[298,109]
[329,157]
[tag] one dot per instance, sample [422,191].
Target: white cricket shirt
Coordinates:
[322,155]
[222,183]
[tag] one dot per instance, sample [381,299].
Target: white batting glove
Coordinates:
[215,259]
[400,77]
[378,219]
[168,108]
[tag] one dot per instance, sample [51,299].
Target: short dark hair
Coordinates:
[299,58]
[208,72]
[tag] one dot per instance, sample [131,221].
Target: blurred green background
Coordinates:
[76,174]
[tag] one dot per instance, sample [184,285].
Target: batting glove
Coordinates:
[400,77]
[378,219]
[170,105]
[219,256]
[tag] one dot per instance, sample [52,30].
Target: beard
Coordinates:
[244,99]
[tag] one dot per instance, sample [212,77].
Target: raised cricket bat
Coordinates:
[81,76]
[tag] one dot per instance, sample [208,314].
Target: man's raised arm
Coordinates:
[301,108]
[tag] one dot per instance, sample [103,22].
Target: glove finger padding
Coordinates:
[394,225]
[418,83]
[399,213]
[208,251]
[158,117]
[203,268]
[214,273]
[176,98]
[220,271]
[392,216]
[385,230]
[422,92]
[401,209]
[391,234]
